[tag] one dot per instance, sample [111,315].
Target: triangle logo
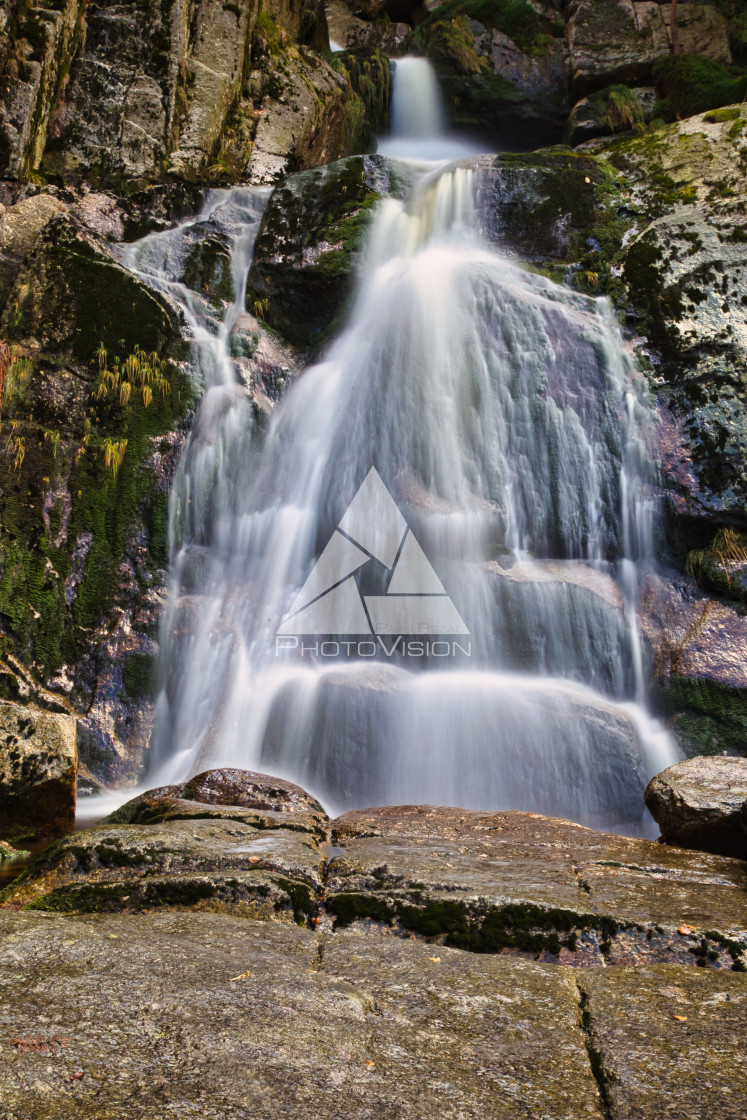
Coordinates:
[372,527]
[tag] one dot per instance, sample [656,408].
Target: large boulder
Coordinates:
[38,762]
[613,41]
[698,804]
[518,882]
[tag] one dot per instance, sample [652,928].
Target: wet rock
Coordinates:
[699,664]
[612,41]
[37,771]
[666,1034]
[698,804]
[520,883]
[270,873]
[311,238]
[217,790]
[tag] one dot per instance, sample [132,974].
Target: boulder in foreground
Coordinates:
[38,763]
[700,804]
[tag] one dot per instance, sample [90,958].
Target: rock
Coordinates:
[350,33]
[699,662]
[34,71]
[83,551]
[270,872]
[495,85]
[218,1014]
[20,228]
[698,804]
[310,114]
[212,1012]
[520,883]
[312,234]
[666,1034]
[37,771]
[217,789]
[611,41]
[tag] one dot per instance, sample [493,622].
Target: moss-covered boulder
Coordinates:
[310,240]
[38,763]
[272,874]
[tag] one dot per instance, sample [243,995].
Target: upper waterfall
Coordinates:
[418,122]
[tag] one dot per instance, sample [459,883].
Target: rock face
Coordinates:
[613,41]
[38,763]
[263,970]
[699,803]
[128,94]
[499,86]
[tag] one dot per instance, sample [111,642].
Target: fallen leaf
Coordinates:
[254,859]
[78,1075]
[243,976]
[684,930]
[681,1018]
[370,1065]
[436,959]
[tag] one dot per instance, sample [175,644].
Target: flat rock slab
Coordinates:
[670,1041]
[698,804]
[516,882]
[272,872]
[159,1014]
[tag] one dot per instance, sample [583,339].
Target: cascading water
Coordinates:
[504,417]
[418,131]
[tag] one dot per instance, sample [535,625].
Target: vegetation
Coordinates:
[688,84]
[624,110]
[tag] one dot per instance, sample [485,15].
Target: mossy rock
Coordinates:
[309,244]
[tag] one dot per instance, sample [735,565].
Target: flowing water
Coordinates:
[499,432]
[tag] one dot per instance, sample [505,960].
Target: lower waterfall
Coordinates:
[496,432]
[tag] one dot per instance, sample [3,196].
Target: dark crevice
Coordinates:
[596,1061]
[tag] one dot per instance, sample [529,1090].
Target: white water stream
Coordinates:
[505,418]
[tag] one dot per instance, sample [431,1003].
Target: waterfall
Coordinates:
[418,122]
[507,430]
[419,582]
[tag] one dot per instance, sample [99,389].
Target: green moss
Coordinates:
[688,84]
[531,32]
[718,116]
[709,717]
[141,676]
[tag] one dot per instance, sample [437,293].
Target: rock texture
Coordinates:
[510,883]
[497,85]
[698,804]
[38,762]
[619,40]
[265,971]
